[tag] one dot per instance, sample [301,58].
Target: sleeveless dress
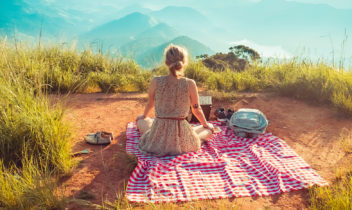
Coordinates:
[170,136]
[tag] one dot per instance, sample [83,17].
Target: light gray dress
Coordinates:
[169,136]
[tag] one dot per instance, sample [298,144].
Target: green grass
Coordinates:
[29,187]
[34,141]
[317,82]
[336,196]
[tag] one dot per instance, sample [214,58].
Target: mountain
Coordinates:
[179,17]
[154,56]
[193,23]
[148,39]
[132,9]
[117,32]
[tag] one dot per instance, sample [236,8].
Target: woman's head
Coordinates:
[176,58]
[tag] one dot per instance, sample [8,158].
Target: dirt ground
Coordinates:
[311,130]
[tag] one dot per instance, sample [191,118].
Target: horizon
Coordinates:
[274,30]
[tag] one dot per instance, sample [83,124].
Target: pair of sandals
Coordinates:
[101,137]
[223,116]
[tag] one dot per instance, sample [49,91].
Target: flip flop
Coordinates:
[99,138]
[82,152]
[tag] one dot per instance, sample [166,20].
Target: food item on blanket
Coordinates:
[205,133]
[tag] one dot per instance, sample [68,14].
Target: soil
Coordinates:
[312,130]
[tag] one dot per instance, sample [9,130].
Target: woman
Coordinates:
[172,95]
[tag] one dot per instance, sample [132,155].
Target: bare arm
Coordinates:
[150,104]
[196,109]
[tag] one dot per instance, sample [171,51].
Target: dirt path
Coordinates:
[312,131]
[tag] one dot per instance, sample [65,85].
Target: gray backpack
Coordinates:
[248,122]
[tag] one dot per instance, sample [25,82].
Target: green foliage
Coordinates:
[314,82]
[29,126]
[336,196]
[222,61]
[28,188]
[245,52]
[34,141]
[64,70]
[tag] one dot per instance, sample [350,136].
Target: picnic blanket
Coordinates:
[226,166]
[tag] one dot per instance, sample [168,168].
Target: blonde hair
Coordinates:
[176,58]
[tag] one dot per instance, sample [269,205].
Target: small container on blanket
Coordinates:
[248,123]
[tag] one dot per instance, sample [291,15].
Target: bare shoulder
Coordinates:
[154,82]
[191,82]
[155,79]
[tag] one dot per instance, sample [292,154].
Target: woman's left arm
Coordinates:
[150,104]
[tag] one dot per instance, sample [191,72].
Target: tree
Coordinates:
[245,52]
[203,56]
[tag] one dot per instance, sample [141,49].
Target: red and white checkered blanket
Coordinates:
[226,166]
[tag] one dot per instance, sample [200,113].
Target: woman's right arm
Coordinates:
[196,109]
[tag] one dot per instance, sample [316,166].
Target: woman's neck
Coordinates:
[172,77]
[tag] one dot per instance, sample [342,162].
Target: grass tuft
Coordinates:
[336,196]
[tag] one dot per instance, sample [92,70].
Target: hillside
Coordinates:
[311,130]
[118,32]
[180,17]
[148,39]
[154,56]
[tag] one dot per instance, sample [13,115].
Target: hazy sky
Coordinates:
[99,12]
[341,4]
[160,3]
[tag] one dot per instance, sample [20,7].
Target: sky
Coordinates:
[340,4]
[157,4]
[102,11]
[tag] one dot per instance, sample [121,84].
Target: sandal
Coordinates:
[99,138]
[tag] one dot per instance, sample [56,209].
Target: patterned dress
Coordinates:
[170,136]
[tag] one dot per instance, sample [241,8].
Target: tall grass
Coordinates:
[34,142]
[29,126]
[339,194]
[299,79]
[29,188]
[336,196]
[64,70]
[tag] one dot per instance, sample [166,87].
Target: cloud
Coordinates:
[264,50]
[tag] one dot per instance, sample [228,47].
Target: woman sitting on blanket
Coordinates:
[169,133]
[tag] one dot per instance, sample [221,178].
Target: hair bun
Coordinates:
[176,59]
[176,65]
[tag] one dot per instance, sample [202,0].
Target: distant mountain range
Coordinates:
[121,31]
[142,38]
[154,56]
[136,31]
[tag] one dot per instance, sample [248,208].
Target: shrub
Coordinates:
[29,126]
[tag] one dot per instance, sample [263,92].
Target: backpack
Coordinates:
[248,122]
